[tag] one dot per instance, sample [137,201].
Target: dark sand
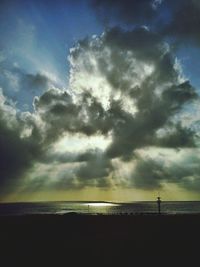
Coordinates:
[138,240]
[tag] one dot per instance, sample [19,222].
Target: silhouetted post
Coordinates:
[159,202]
[88,209]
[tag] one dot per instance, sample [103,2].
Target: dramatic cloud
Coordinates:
[143,88]
[142,93]
[124,86]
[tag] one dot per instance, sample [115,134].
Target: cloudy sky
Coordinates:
[99,100]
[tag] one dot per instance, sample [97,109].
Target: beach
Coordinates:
[100,239]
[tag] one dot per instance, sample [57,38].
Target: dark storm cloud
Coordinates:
[153,173]
[128,11]
[185,21]
[148,174]
[97,167]
[179,138]
[17,84]
[180,18]
[16,154]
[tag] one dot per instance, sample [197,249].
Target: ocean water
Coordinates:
[63,207]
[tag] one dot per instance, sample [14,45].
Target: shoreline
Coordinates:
[85,214]
[100,238]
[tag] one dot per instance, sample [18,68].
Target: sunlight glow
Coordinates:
[78,143]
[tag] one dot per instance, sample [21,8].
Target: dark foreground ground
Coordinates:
[82,240]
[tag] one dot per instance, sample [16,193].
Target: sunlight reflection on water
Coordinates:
[64,207]
[100,204]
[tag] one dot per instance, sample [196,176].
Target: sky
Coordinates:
[99,100]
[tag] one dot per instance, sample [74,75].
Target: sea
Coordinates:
[96,208]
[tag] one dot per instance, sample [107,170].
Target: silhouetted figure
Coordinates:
[159,202]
